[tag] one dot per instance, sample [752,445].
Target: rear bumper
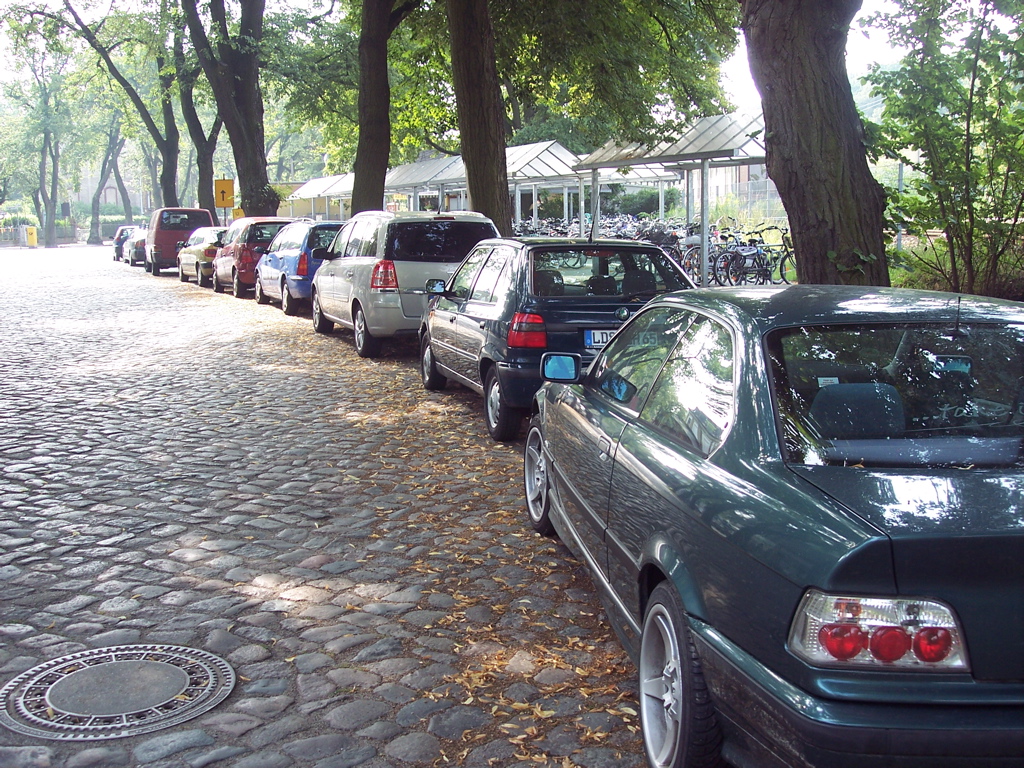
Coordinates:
[300,287]
[769,722]
[519,382]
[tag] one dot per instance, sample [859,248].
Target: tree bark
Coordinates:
[480,109]
[205,146]
[122,189]
[231,65]
[379,20]
[49,156]
[815,139]
[374,146]
[115,143]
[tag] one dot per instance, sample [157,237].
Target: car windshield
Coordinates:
[603,271]
[900,395]
[444,241]
[262,234]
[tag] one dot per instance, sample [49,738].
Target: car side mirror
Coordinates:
[561,367]
[320,253]
[259,249]
[435,287]
[179,245]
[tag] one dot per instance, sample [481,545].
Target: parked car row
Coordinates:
[802,505]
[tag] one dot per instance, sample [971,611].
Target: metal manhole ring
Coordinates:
[111,693]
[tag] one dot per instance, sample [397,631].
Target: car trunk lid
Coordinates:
[957,535]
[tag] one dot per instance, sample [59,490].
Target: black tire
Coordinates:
[535,480]
[432,378]
[367,345]
[238,290]
[680,729]
[218,287]
[261,297]
[154,269]
[503,421]
[320,323]
[181,274]
[201,280]
[289,304]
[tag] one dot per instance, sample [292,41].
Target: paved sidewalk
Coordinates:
[186,468]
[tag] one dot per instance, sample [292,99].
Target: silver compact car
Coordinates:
[373,276]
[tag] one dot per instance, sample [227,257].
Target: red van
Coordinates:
[167,228]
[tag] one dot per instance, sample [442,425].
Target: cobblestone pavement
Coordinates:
[187,468]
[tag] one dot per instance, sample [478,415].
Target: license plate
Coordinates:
[596,339]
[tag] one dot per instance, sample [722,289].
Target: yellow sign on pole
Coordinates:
[224,191]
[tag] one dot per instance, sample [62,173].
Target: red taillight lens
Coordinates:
[527,331]
[932,644]
[384,277]
[303,268]
[906,634]
[889,644]
[842,641]
[210,253]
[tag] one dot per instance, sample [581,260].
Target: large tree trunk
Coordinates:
[380,19]
[205,146]
[122,190]
[374,145]
[815,139]
[115,143]
[49,170]
[232,69]
[481,113]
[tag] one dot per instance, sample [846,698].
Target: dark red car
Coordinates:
[241,247]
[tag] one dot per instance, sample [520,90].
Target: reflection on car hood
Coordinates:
[908,502]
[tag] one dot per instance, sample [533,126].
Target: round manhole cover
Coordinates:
[110,693]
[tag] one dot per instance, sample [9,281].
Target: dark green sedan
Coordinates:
[804,509]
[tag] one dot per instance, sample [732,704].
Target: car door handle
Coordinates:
[604,448]
[483,323]
[451,319]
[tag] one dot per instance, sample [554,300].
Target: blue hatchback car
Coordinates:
[285,272]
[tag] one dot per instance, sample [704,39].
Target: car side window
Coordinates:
[486,289]
[357,235]
[628,366]
[368,245]
[340,241]
[462,282]
[693,399]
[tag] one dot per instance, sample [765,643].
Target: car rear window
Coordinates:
[604,271]
[444,241]
[322,237]
[184,220]
[262,234]
[900,395]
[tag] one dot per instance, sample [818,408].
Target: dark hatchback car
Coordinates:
[511,300]
[804,508]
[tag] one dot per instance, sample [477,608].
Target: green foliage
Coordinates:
[632,67]
[953,115]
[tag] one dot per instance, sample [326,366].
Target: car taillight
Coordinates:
[384,277]
[897,633]
[302,270]
[210,253]
[527,331]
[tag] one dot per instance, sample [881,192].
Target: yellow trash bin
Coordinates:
[30,237]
